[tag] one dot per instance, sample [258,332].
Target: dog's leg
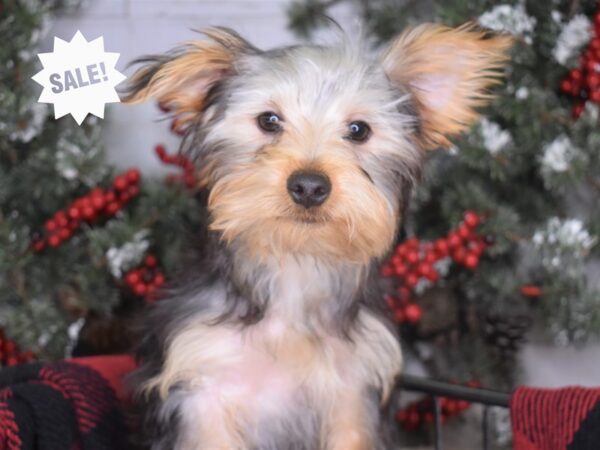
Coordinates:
[213,427]
[352,423]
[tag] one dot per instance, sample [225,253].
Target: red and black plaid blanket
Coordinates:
[77,405]
[71,405]
[556,419]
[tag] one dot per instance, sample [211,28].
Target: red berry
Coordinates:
[425,269]
[471,261]
[404,293]
[50,225]
[124,197]
[566,86]
[12,361]
[463,404]
[27,356]
[402,415]
[54,241]
[150,261]
[578,109]
[139,289]
[110,197]
[159,279]
[387,271]
[575,75]
[412,243]
[592,80]
[61,219]
[591,65]
[400,270]
[595,96]
[133,176]
[441,246]
[112,208]
[531,291]
[451,406]
[120,182]
[64,234]
[459,254]
[160,151]
[399,315]
[472,219]
[465,232]
[411,280]
[433,276]
[98,202]
[413,313]
[74,212]
[73,225]
[477,247]
[9,347]
[431,257]
[88,212]
[412,257]
[132,278]
[189,180]
[38,245]
[133,191]
[389,300]
[454,240]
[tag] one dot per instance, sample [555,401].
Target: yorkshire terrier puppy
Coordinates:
[308,154]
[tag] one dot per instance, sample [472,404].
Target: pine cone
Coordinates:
[506,333]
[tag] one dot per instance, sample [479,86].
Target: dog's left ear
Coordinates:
[182,78]
[447,71]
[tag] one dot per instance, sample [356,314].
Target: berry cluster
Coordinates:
[583,83]
[421,412]
[414,260]
[177,127]
[189,172]
[143,281]
[10,355]
[89,208]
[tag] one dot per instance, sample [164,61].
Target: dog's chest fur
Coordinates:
[277,381]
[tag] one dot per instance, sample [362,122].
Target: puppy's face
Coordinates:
[312,150]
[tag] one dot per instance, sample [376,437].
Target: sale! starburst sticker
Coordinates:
[79,77]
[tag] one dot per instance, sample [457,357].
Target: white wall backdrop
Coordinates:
[138,27]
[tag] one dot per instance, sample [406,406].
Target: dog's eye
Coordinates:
[269,122]
[358,131]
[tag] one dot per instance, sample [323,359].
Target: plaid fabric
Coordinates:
[63,406]
[556,419]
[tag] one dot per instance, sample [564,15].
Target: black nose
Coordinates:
[308,188]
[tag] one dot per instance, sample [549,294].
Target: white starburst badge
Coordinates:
[79,77]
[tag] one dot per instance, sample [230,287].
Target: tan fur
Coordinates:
[449,71]
[356,223]
[229,370]
[183,82]
[347,426]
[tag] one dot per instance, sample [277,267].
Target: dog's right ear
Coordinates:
[181,79]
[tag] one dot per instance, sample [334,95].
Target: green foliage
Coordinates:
[44,165]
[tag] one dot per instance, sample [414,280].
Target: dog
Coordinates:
[308,154]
